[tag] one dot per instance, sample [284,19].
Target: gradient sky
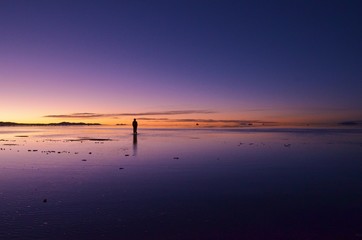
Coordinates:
[180,61]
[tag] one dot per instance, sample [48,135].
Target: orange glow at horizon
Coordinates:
[193,121]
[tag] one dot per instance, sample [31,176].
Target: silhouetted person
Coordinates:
[135,125]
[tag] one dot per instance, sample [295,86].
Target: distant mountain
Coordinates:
[10,124]
[351,123]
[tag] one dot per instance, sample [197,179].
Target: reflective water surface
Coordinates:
[106,183]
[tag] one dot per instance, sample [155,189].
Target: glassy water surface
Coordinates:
[106,183]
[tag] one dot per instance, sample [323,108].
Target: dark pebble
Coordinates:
[176,158]
[84,160]
[45,200]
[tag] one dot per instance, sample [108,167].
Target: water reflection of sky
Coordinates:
[180,184]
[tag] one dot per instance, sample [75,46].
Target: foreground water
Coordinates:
[105,183]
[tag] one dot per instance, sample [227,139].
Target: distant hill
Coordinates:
[10,124]
[351,123]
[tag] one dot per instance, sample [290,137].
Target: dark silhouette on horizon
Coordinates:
[11,124]
[135,125]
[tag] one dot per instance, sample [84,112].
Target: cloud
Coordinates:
[114,115]
[211,121]
[75,115]
[153,117]
[228,122]
[159,116]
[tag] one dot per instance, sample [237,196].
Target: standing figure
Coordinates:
[135,125]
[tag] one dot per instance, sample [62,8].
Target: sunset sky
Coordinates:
[170,63]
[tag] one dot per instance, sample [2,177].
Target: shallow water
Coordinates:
[103,183]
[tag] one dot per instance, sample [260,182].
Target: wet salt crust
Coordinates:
[106,183]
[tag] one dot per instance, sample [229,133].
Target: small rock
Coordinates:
[176,158]
[45,200]
[84,160]
[126,155]
[121,168]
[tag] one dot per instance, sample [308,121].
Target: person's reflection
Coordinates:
[134,144]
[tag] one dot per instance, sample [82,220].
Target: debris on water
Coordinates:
[97,140]
[47,152]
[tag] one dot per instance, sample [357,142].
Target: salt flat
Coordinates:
[106,183]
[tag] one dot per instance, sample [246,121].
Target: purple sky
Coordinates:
[284,61]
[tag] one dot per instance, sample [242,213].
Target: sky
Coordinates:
[176,63]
